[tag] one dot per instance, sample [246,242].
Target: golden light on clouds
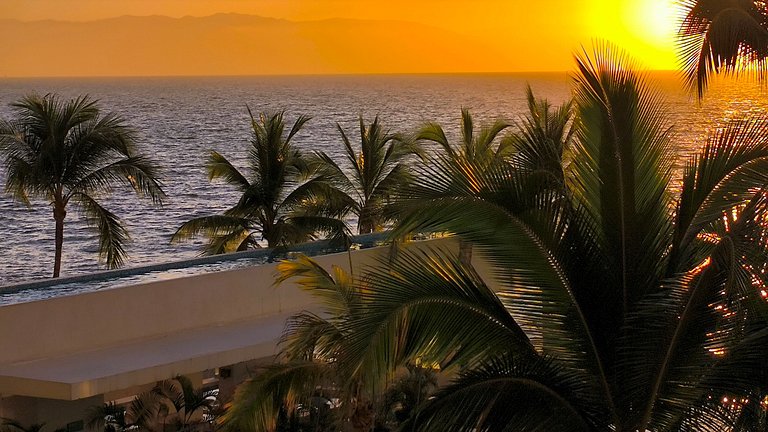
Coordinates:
[486,35]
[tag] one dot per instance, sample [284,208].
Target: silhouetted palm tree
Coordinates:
[723,36]
[173,404]
[623,302]
[275,204]
[69,154]
[108,417]
[365,184]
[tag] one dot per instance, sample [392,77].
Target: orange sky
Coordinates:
[531,34]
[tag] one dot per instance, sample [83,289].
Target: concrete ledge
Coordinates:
[92,373]
[80,346]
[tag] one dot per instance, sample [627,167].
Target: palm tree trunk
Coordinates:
[59,213]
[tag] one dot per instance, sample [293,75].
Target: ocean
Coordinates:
[179,120]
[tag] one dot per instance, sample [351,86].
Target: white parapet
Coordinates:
[86,345]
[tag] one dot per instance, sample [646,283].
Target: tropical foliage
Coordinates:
[365,185]
[475,147]
[621,300]
[172,405]
[109,417]
[311,380]
[276,202]
[68,153]
[723,36]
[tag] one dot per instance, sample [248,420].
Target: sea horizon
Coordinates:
[322,74]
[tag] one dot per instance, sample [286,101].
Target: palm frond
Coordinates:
[434,132]
[112,235]
[219,167]
[543,138]
[720,177]
[409,313]
[258,401]
[310,337]
[717,36]
[514,394]
[136,172]
[622,168]
[336,291]
[689,331]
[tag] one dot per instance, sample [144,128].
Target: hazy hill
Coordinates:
[232,44]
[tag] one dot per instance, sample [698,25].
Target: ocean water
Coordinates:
[179,120]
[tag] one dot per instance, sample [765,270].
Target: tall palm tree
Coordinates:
[68,153]
[722,36]
[364,186]
[623,302]
[274,205]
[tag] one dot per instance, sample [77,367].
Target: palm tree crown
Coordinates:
[274,202]
[173,404]
[621,300]
[372,176]
[476,147]
[66,152]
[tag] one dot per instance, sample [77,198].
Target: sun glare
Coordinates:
[645,28]
[655,21]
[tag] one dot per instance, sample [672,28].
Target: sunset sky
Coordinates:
[515,35]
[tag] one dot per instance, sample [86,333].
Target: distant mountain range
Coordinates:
[233,44]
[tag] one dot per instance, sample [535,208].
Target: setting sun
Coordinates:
[655,20]
[645,28]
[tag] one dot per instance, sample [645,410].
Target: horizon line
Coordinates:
[298,75]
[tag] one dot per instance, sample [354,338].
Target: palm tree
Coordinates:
[542,140]
[68,153]
[310,376]
[364,187]
[476,147]
[174,404]
[537,147]
[274,205]
[722,36]
[624,301]
[109,417]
